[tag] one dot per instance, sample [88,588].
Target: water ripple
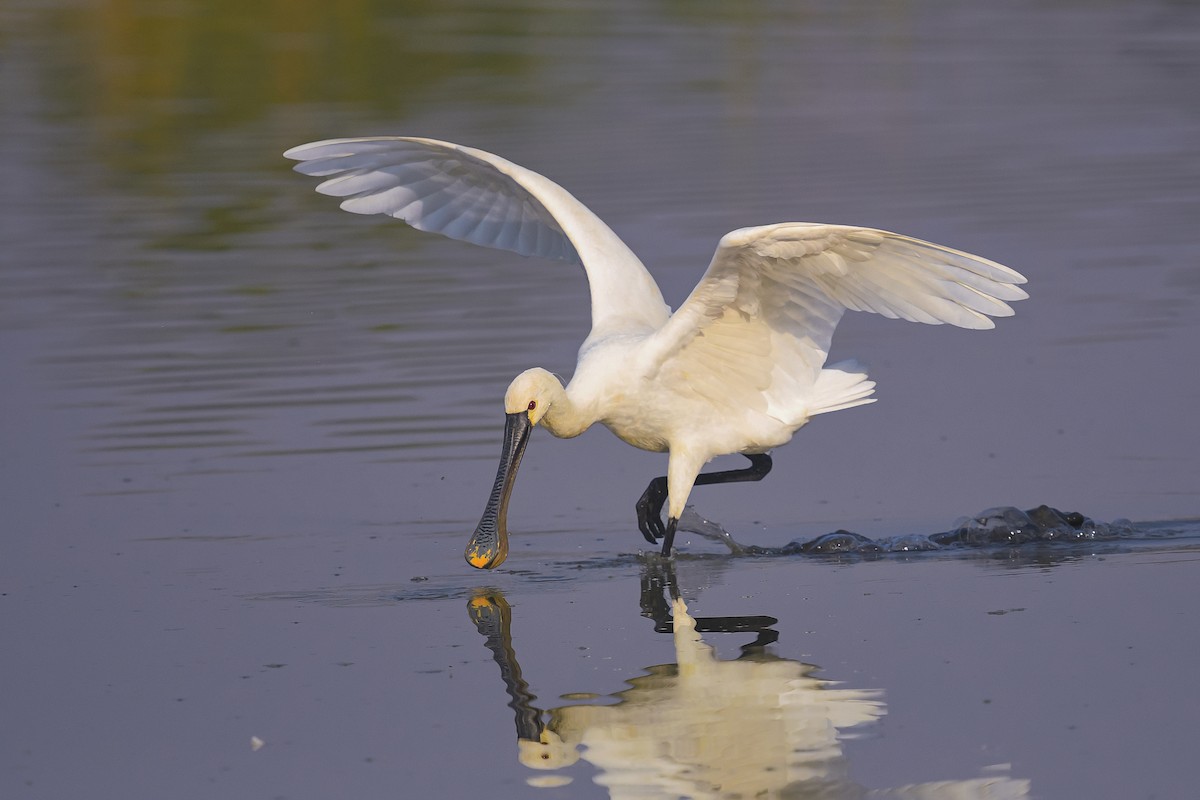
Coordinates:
[1002,530]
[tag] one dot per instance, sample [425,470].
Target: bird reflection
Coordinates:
[755,726]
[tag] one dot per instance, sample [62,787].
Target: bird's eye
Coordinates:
[532,405]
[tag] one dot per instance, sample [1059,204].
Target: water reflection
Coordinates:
[759,725]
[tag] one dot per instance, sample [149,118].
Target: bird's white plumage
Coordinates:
[738,367]
[478,197]
[756,330]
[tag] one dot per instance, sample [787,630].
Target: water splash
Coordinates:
[1000,526]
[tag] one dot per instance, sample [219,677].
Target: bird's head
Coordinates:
[548,751]
[532,393]
[529,397]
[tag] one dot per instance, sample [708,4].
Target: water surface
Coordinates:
[246,434]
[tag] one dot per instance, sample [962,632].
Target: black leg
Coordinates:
[649,510]
[649,505]
[669,538]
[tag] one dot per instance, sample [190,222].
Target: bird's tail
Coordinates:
[842,385]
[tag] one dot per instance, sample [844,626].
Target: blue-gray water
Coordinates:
[246,435]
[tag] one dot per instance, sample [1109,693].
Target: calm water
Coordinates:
[245,435]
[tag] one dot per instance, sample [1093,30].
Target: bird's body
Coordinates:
[737,368]
[614,385]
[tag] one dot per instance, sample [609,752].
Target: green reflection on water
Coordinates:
[148,77]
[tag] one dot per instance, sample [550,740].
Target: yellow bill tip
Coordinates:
[486,559]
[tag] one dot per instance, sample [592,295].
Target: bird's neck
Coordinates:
[566,417]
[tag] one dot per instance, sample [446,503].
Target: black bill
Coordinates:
[489,544]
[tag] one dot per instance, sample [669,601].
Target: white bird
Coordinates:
[738,368]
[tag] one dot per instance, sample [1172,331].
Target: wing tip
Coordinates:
[987,323]
[311,150]
[302,152]
[295,152]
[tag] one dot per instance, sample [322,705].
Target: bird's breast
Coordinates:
[639,423]
[641,439]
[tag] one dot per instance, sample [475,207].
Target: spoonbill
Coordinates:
[738,368]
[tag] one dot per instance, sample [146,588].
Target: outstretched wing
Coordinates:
[755,332]
[478,197]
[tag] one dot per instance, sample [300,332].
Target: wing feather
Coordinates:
[756,330]
[478,197]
